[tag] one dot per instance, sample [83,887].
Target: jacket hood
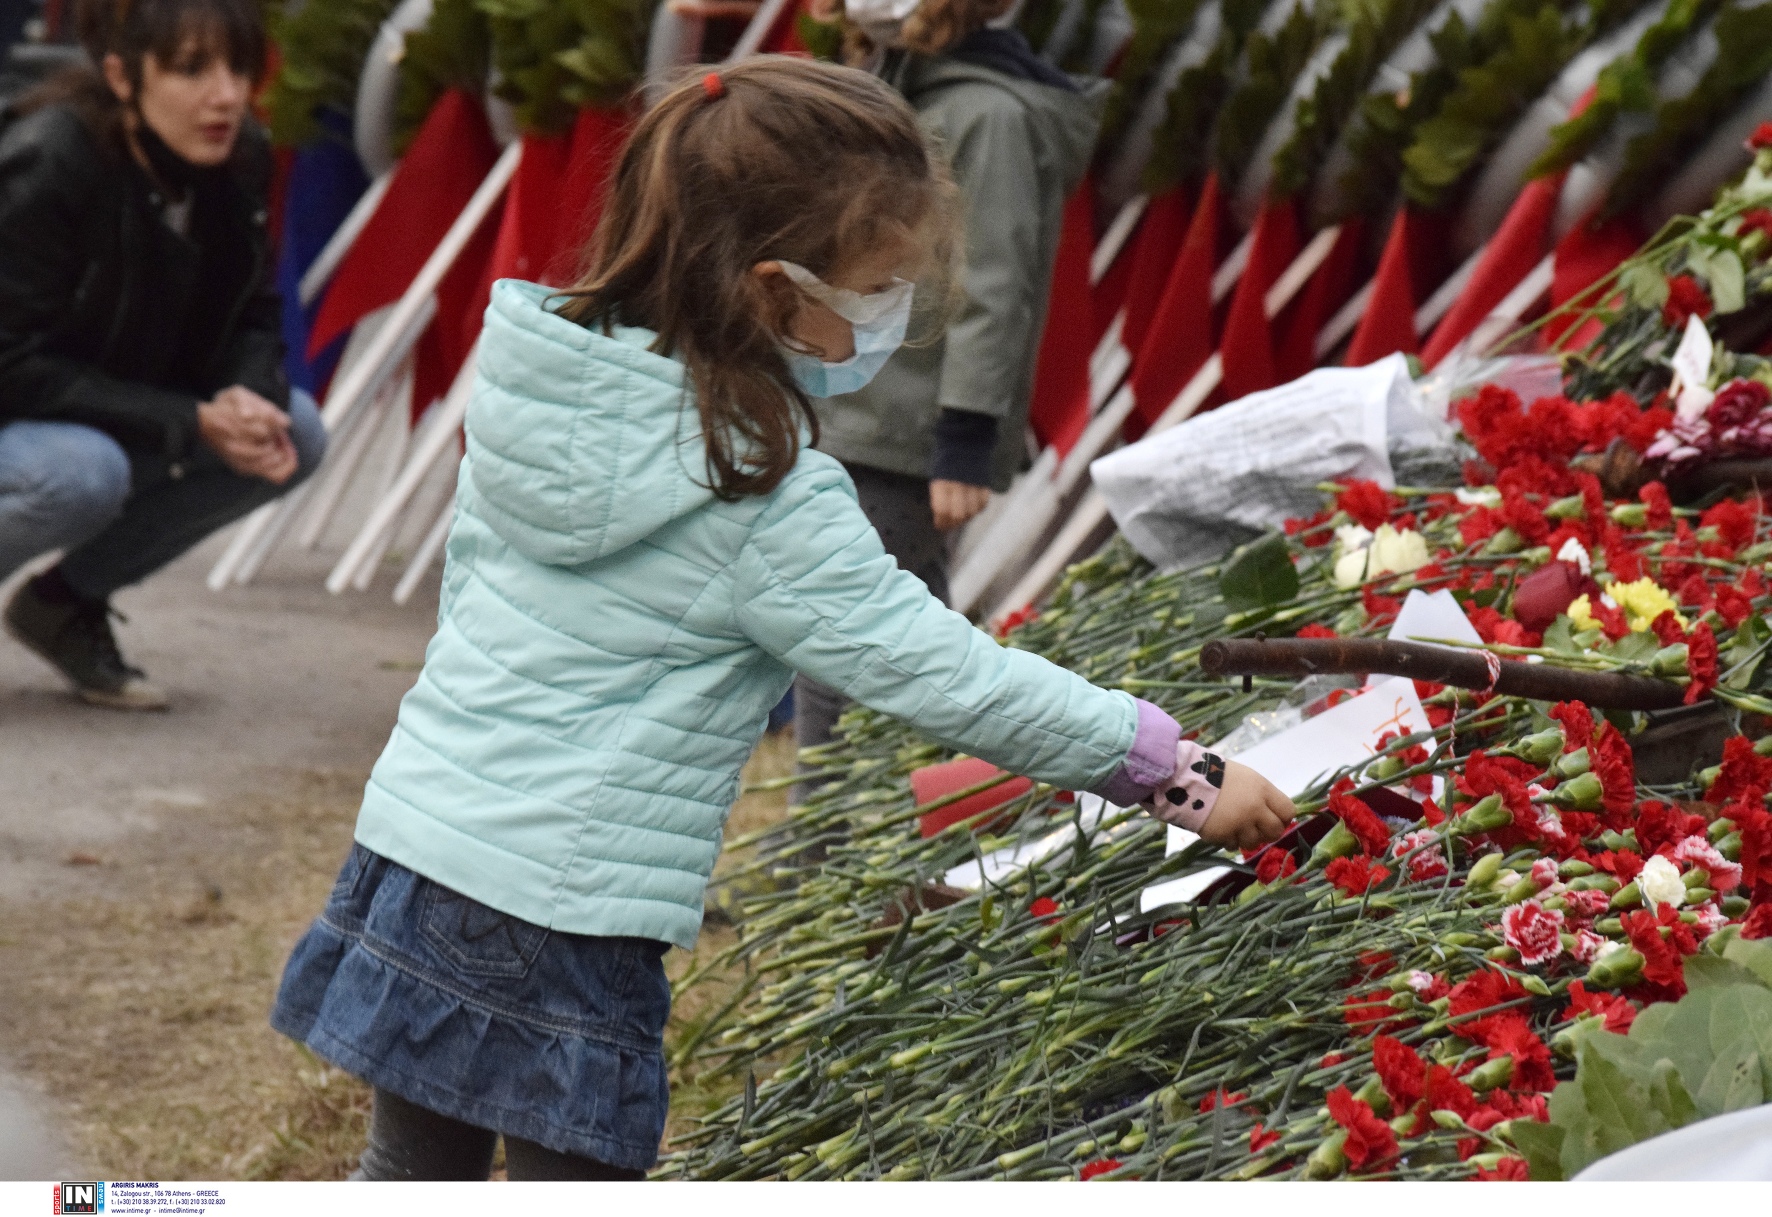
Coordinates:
[1065,123]
[578,444]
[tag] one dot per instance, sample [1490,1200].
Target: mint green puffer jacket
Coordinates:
[612,637]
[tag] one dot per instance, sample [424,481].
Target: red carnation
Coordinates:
[1360,819]
[1754,824]
[1044,909]
[1509,1170]
[1732,605]
[1260,1138]
[1609,758]
[1577,722]
[1624,864]
[1685,299]
[1446,1093]
[1014,621]
[1401,1069]
[1314,526]
[1365,501]
[1370,1140]
[1660,517]
[1100,1166]
[1761,138]
[1701,662]
[1219,1098]
[1758,923]
[1617,1011]
[1667,629]
[1622,559]
[1661,958]
[1745,776]
[1525,518]
[1379,608]
[1484,991]
[1313,630]
[1509,1034]
[1274,865]
[1356,875]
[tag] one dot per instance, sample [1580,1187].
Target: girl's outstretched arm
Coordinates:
[816,589]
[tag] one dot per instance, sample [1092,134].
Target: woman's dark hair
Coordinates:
[179,34]
[771,158]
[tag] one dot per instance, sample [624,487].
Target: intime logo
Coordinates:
[80,1198]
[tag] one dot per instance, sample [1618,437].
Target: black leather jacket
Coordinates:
[110,318]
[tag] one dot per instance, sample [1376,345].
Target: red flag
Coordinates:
[445,344]
[1513,251]
[1060,407]
[1388,324]
[1591,251]
[449,158]
[783,37]
[1156,247]
[1327,290]
[555,200]
[1250,362]
[598,137]
[1179,337]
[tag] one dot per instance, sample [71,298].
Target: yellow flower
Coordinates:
[1581,613]
[1642,602]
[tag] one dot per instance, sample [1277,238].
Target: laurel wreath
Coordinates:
[452,50]
[1374,29]
[322,44]
[1271,63]
[1626,84]
[1745,36]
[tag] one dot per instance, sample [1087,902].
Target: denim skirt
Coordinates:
[552,1037]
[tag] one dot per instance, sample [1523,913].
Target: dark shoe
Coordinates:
[75,638]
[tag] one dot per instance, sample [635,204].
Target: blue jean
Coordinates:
[71,487]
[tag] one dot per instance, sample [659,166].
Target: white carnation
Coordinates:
[1480,496]
[1660,883]
[1575,553]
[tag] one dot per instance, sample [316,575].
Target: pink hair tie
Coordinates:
[713,86]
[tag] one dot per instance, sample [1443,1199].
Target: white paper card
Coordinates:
[998,865]
[1691,362]
[1433,618]
[1294,759]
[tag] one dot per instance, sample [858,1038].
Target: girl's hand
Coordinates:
[1250,810]
[953,503]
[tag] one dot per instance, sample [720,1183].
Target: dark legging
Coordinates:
[409,1142]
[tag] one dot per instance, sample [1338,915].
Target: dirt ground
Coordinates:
[155,870]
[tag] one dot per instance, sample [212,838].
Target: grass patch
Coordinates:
[156,997]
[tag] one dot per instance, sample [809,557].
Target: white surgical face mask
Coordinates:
[878,320]
[880,19]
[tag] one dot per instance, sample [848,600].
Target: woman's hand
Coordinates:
[956,502]
[249,433]
[1250,810]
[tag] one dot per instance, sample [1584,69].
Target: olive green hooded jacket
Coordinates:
[1018,149]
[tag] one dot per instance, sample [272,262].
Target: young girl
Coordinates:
[644,550]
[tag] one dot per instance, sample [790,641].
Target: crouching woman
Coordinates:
[143,402]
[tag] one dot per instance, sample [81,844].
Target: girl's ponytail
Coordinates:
[772,158]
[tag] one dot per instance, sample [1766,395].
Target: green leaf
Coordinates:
[1669,1097]
[1733,1081]
[1755,956]
[1561,637]
[1543,1146]
[1638,646]
[1617,1103]
[1713,972]
[1644,284]
[1259,575]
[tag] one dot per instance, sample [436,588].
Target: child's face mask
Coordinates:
[879,322]
[880,19]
